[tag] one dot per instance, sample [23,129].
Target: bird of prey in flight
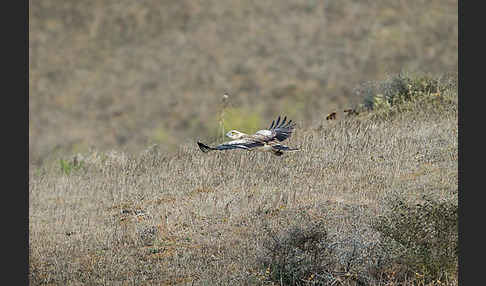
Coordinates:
[263,140]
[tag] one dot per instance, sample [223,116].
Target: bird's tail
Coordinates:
[284,148]
[205,148]
[278,149]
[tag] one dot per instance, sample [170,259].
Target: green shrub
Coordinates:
[424,237]
[67,167]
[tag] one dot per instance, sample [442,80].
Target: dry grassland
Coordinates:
[190,218]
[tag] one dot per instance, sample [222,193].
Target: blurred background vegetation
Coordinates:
[129,74]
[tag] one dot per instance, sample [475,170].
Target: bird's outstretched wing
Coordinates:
[281,130]
[235,144]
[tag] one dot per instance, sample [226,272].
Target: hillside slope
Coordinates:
[128,74]
[226,218]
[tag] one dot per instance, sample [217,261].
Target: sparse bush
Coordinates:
[402,88]
[423,237]
[307,255]
[296,255]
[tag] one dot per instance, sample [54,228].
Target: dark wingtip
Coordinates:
[283,123]
[203,147]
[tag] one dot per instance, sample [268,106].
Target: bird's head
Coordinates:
[233,134]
